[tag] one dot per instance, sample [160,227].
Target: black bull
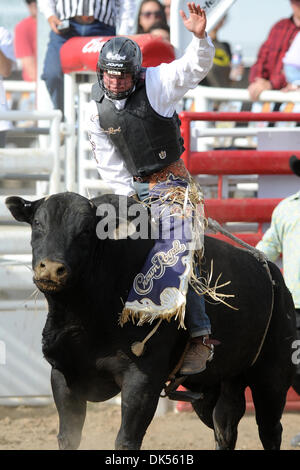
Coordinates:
[86,280]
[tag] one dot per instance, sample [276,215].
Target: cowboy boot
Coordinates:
[198,354]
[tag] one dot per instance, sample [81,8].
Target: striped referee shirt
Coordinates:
[120,13]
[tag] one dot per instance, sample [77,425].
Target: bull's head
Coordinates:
[68,231]
[63,232]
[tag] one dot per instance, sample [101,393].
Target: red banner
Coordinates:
[81,53]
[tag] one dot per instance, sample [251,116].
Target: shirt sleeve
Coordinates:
[269,58]
[271,244]
[258,69]
[126,16]
[166,84]
[7,45]
[47,7]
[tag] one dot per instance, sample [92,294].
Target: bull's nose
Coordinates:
[47,270]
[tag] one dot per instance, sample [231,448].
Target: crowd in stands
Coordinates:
[277,66]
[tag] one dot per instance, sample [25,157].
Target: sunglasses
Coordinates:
[147,14]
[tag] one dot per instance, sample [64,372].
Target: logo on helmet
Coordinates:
[112,64]
[112,56]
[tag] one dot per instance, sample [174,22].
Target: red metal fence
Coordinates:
[237,162]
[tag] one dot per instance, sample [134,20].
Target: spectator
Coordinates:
[291,65]
[72,18]
[161,30]
[150,12]
[267,73]
[7,63]
[218,76]
[134,132]
[25,43]
[282,238]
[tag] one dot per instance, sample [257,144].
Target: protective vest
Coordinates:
[146,141]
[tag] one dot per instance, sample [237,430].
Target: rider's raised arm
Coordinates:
[168,83]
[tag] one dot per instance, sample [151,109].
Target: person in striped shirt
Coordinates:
[81,18]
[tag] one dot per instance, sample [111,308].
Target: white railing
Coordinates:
[17,163]
[203,97]
[19,85]
[40,161]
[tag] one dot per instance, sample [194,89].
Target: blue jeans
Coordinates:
[52,73]
[196,320]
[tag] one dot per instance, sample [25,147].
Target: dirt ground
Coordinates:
[35,428]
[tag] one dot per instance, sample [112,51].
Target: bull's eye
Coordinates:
[37,225]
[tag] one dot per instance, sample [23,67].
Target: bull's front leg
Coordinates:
[140,397]
[71,411]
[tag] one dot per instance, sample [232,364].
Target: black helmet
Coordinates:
[119,54]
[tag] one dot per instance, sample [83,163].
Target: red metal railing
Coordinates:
[226,162]
[237,162]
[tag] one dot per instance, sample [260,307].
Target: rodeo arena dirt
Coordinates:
[231,146]
[35,428]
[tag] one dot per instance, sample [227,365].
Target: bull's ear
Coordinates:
[21,209]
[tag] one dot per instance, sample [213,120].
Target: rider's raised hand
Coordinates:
[196,23]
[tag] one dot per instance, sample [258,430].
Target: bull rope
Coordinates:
[261,257]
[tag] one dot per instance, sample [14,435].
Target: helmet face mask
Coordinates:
[119,57]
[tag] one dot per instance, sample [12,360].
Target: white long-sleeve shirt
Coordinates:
[165,84]
[119,13]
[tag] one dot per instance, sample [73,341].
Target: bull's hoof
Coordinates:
[64,443]
[185,395]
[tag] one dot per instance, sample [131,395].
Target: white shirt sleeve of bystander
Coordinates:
[47,7]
